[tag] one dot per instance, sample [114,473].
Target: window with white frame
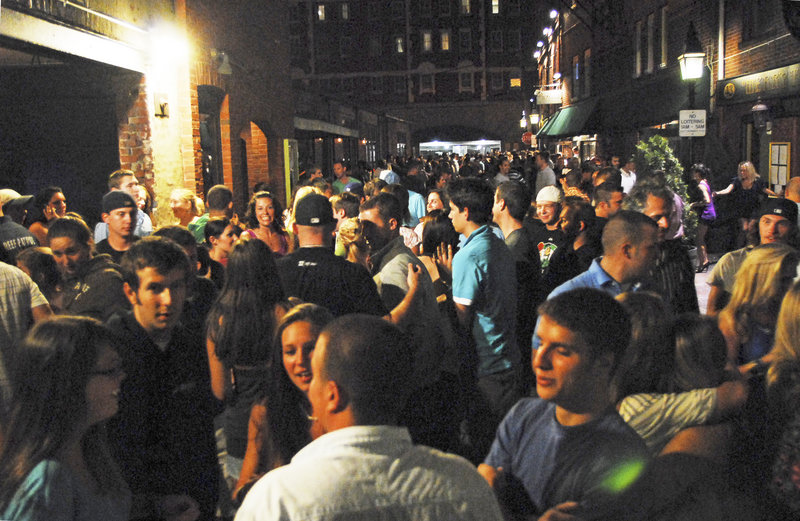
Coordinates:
[495,6]
[321,12]
[637,49]
[496,81]
[465,83]
[496,41]
[445,38]
[399,45]
[427,41]
[426,84]
[651,44]
[663,37]
[345,11]
[465,7]
[465,40]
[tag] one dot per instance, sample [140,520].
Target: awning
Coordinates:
[572,120]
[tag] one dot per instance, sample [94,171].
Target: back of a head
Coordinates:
[700,353]
[371,362]
[42,267]
[573,178]
[218,198]
[636,199]
[179,234]
[160,253]
[604,191]
[475,194]
[793,189]
[647,365]
[786,350]
[516,197]
[625,227]
[600,321]
[437,230]
[346,201]
[579,211]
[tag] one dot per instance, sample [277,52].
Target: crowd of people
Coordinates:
[499,336]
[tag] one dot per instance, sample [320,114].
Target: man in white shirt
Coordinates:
[360,465]
[628,173]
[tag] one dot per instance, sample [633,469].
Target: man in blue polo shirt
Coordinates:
[485,295]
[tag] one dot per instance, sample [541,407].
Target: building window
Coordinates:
[514,40]
[465,82]
[760,18]
[398,11]
[587,70]
[345,11]
[445,39]
[425,8]
[663,37]
[496,41]
[399,45]
[426,84]
[651,30]
[321,12]
[637,50]
[372,10]
[465,40]
[495,6]
[496,81]
[345,42]
[399,84]
[347,84]
[576,77]
[427,41]
[465,7]
[444,7]
[375,46]
[512,6]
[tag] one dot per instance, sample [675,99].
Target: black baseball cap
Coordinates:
[313,210]
[782,207]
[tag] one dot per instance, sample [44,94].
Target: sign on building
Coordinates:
[692,123]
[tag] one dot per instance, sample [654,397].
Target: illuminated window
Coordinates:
[445,40]
[495,6]
[321,12]
[427,41]
[651,33]
[345,11]
[465,8]
[637,50]
[663,37]
[399,45]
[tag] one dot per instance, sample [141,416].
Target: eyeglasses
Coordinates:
[113,372]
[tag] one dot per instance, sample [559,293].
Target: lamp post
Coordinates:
[692,63]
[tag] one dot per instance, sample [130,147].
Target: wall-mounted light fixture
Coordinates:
[693,57]
[761,117]
[553,14]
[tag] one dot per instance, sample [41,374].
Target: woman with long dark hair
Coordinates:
[241,324]
[264,219]
[50,204]
[54,461]
[279,424]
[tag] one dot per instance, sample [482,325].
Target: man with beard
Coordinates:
[580,245]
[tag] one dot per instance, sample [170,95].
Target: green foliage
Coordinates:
[655,154]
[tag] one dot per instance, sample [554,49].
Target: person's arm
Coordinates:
[731,397]
[716,297]
[732,339]
[726,191]
[255,443]
[562,512]
[217,370]
[464,314]
[399,314]
[41,312]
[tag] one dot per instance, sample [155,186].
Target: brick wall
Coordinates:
[135,149]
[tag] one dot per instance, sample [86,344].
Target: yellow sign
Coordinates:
[516,82]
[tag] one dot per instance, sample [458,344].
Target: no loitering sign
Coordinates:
[692,123]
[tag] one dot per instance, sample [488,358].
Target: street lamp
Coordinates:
[693,57]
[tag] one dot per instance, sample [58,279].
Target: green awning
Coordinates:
[572,120]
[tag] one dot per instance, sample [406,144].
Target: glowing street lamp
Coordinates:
[693,57]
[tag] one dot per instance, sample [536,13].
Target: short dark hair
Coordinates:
[594,315]
[516,197]
[346,201]
[636,199]
[215,227]
[544,154]
[371,362]
[70,227]
[388,206]
[179,234]
[219,197]
[573,178]
[156,252]
[603,192]
[475,194]
[579,210]
[626,225]
[115,177]
[438,229]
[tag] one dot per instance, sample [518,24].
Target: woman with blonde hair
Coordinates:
[183,205]
[747,190]
[351,233]
[748,321]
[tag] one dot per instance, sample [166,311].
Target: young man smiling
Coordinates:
[567,447]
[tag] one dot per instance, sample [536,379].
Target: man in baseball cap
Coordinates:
[13,237]
[314,274]
[119,213]
[777,222]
